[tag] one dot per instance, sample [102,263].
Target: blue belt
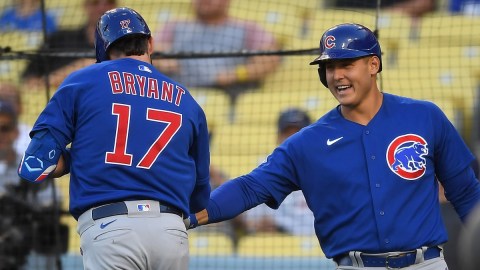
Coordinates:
[404,259]
[120,208]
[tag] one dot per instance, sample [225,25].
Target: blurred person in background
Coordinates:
[79,40]
[26,15]
[27,235]
[11,93]
[212,31]
[14,243]
[293,216]
[465,7]
[413,8]
[469,247]
[454,227]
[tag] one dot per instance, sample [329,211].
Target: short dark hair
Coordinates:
[136,44]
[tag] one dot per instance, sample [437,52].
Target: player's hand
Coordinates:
[190,222]
[63,165]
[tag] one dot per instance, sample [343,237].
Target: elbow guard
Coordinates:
[40,158]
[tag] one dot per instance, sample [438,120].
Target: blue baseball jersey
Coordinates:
[371,188]
[134,134]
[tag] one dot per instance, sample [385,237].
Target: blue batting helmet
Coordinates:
[115,24]
[346,41]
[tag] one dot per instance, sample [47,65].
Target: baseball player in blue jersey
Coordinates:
[368,168]
[139,156]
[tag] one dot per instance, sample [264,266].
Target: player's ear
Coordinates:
[374,64]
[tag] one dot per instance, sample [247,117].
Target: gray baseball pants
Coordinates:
[146,239]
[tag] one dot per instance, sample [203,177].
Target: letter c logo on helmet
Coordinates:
[346,41]
[115,24]
[329,42]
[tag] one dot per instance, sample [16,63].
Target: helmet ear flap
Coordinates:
[322,74]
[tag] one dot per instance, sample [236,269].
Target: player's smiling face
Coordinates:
[351,80]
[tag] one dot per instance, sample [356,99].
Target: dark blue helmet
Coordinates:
[115,24]
[346,41]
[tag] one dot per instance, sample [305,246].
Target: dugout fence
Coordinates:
[435,57]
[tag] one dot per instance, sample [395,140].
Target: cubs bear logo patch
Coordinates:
[405,156]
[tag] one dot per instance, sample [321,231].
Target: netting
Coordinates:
[434,56]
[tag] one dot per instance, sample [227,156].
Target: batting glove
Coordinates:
[190,222]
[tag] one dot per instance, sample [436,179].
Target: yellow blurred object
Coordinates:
[210,244]
[279,245]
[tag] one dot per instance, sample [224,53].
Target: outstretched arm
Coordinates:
[231,199]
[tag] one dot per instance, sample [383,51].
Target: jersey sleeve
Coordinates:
[277,174]
[452,166]
[234,197]
[463,191]
[269,183]
[58,115]
[451,153]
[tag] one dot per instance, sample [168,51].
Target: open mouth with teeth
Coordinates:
[343,87]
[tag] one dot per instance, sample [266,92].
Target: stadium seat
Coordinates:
[443,28]
[446,71]
[294,73]
[10,70]
[21,41]
[15,43]
[210,244]
[69,13]
[279,245]
[263,107]
[215,103]
[244,139]
[324,18]
[429,87]
[33,103]
[237,164]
